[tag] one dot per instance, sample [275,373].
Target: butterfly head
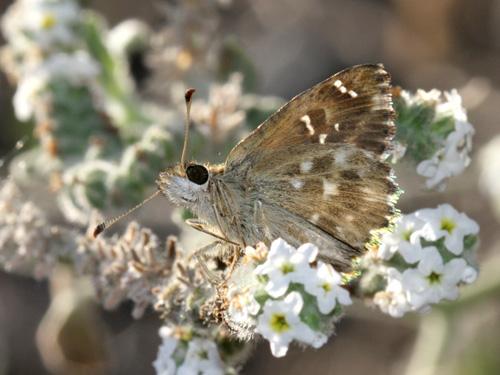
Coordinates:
[187,185]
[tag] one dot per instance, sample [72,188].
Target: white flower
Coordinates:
[221,114]
[432,280]
[393,300]
[280,324]
[405,240]
[398,151]
[445,221]
[202,358]
[164,363]
[446,163]
[242,304]
[470,275]
[451,160]
[452,105]
[79,67]
[325,284]
[430,98]
[285,264]
[46,23]
[28,94]
[127,34]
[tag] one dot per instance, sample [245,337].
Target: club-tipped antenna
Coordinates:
[105,225]
[187,96]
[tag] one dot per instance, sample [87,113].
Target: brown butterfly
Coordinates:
[312,172]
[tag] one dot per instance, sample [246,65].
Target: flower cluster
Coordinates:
[184,353]
[41,23]
[218,117]
[423,261]
[433,132]
[27,241]
[290,296]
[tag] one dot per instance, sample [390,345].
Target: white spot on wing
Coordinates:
[379,102]
[353,93]
[307,120]
[342,89]
[306,166]
[330,188]
[337,83]
[296,183]
[322,138]
[314,219]
[370,196]
[337,126]
[340,157]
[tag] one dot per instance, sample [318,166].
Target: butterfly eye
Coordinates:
[197,174]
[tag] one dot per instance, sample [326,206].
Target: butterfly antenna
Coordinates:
[187,96]
[105,225]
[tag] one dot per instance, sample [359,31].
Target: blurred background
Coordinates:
[293,45]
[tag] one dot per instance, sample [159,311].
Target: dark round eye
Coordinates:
[197,174]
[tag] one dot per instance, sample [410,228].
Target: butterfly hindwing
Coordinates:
[344,191]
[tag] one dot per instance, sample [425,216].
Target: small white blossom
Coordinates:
[280,324]
[470,275]
[242,303]
[285,264]
[28,94]
[202,358]
[445,221]
[325,284]
[78,68]
[404,240]
[164,363]
[126,35]
[433,281]
[42,23]
[220,115]
[446,163]
[393,300]
[398,151]
[451,160]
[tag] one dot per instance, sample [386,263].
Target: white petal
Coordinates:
[431,261]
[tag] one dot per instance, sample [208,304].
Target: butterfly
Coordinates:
[313,172]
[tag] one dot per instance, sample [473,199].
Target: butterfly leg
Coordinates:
[216,281]
[202,227]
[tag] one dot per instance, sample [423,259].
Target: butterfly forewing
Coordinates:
[353,106]
[319,162]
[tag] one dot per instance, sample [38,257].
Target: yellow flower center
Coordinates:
[407,234]
[279,323]
[287,268]
[434,278]
[48,21]
[448,225]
